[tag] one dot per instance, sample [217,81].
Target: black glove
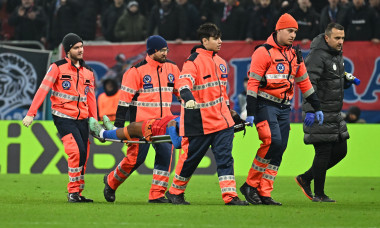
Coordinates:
[239,123]
[298,54]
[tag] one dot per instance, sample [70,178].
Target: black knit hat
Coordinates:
[70,40]
[155,43]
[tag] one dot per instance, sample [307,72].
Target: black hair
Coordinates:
[208,30]
[331,26]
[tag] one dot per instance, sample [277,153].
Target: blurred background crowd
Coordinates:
[47,21]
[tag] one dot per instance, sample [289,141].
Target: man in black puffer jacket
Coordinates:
[326,71]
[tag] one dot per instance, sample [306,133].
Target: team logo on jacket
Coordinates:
[280,68]
[86,90]
[66,85]
[171,78]
[222,68]
[147,79]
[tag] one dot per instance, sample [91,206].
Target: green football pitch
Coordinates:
[40,201]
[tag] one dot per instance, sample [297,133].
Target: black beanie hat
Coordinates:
[70,40]
[155,43]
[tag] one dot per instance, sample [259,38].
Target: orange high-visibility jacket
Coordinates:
[280,68]
[72,94]
[107,105]
[205,74]
[149,86]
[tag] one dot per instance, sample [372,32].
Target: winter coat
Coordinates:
[109,19]
[326,71]
[130,27]
[308,23]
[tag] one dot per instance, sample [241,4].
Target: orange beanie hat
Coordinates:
[286,21]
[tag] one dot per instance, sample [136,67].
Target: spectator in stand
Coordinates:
[170,20]
[307,19]
[63,19]
[87,20]
[207,12]
[131,26]
[145,6]
[193,19]
[284,6]
[29,22]
[231,19]
[109,19]
[345,3]
[376,5]
[318,5]
[353,115]
[361,22]
[108,101]
[333,12]
[262,21]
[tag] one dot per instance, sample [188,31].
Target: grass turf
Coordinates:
[40,201]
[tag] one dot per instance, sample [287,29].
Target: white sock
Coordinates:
[101,133]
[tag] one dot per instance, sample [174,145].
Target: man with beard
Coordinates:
[72,102]
[325,66]
[146,92]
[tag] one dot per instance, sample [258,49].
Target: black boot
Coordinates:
[86,200]
[159,200]
[269,201]
[74,198]
[250,194]
[238,202]
[176,199]
[323,198]
[109,193]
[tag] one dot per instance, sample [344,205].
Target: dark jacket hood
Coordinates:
[319,42]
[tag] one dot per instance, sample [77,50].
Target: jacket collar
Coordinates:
[273,42]
[153,62]
[202,50]
[81,62]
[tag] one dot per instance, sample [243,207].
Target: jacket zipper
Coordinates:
[159,83]
[220,89]
[290,72]
[78,93]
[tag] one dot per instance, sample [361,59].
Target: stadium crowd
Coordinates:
[47,21]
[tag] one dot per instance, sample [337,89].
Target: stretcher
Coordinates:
[160,138]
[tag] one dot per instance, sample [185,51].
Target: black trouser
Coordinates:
[327,155]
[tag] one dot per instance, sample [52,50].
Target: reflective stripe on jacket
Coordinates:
[277,70]
[148,87]
[72,95]
[205,74]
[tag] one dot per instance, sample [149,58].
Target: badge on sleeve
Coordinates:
[147,79]
[224,71]
[171,78]
[280,68]
[86,90]
[66,85]
[222,68]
